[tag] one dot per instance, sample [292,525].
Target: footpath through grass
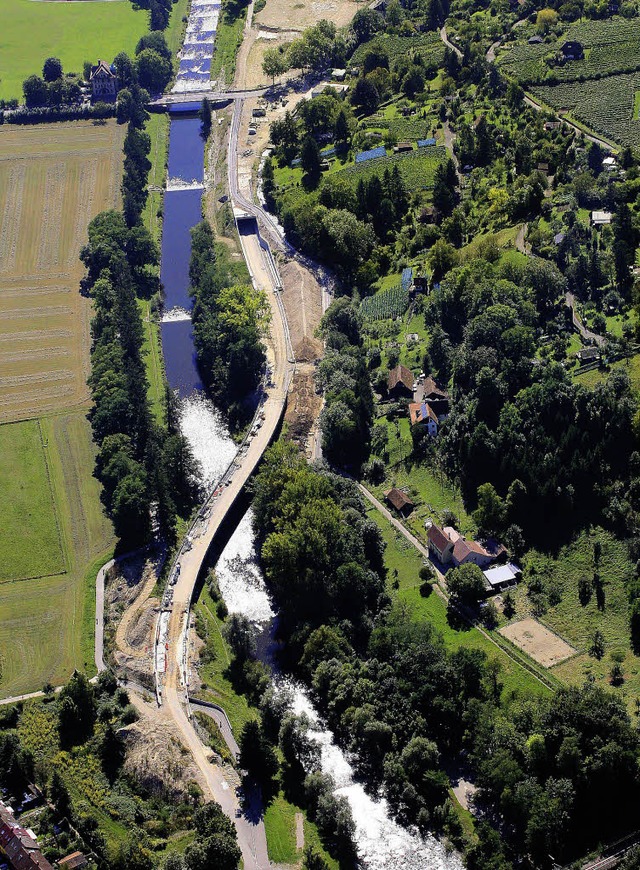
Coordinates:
[402,558]
[74,32]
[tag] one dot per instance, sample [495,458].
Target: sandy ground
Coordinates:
[299,14]
[542,645]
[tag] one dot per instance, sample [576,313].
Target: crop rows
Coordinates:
[403,128]
[606,105]
[429,45]
[416,167]
[385,304]
[612,47]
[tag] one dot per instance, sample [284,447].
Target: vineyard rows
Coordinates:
[605,105]
[611,47]
[385,304]
[403,128]
[429,45]
[417,168]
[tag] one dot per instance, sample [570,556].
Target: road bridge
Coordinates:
[229,96]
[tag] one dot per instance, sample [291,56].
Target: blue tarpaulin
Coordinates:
[407,278]
[371,155]
[425,143]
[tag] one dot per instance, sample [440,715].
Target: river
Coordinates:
[382,844]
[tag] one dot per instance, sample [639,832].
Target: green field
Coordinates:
[228,40]
[400,556]
[46,624]
[27,508]
[73,31]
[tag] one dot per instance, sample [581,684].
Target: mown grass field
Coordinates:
[27,506]
[73,31]
[577,621]
[53,179]
[47,623]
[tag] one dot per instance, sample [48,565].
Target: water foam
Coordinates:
[203,427]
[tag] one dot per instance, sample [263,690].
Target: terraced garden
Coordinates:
[428,45]
[606,105]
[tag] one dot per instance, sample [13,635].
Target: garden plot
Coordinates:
[536,641]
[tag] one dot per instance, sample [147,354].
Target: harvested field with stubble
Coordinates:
[53,179]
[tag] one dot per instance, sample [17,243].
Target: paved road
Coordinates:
[586,334]
[99,635]
[445,39]
[590,137]
[217,713]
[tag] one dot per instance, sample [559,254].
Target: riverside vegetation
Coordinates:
[501,246]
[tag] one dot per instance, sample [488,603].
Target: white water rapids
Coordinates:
[382,843]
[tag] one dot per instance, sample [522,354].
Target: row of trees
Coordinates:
[343,375]
[229,321]
[141,465]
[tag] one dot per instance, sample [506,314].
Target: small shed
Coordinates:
[400,501]
[535,40]
[502,576]
[401,147]
[74,861]
[600,218]
[338,75]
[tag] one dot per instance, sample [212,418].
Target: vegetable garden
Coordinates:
[416,167]
[385,304]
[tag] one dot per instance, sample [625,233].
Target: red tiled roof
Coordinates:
[438,538]
[400,375]
[398,499]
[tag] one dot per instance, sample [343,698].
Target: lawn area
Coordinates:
[576,622]
[400,556]
[154,364]
[27,507]
[216,685]
[228,39]
[595,376]
[431,492]
[47,624]
[280,828]
[74,32]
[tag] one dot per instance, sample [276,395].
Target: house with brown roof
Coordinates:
[74,861]
[421,414]
[400,382]
[449,547]
[400,501]
[19,844]
[438,398]
[104,82]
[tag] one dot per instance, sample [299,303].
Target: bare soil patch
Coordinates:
[299,14]
[537,641]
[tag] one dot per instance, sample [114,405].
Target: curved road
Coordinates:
[445,39]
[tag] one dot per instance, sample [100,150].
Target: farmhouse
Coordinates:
[438,399]
[571,50]
[400,382]
[421,414]
[400,501]
[450,547]
[104,82]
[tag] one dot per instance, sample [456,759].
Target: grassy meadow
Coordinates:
[73,31]
[47,623]
[54,536]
